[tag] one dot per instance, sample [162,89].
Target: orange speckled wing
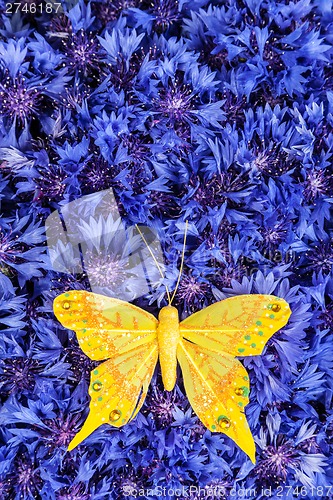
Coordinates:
[104,326]
[239,326]
[217,388]
[111,328]
[118,388]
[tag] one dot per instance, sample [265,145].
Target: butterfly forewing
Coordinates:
[104,326]
[239,326]
[118,388]
[217,387]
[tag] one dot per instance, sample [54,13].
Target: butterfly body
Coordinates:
[130,341]
[168,337]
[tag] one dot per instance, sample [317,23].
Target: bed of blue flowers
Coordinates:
[219,113]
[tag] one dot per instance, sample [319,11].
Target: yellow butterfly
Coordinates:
[205,345]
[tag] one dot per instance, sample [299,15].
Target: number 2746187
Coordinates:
[33,8]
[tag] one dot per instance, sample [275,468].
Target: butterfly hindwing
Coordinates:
[118,388]
[239,326]
[217,387]
[104,326]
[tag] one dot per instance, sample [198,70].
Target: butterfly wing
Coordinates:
[118,388]
[217,385]
[239,326]
[111,328]
[105,327]
[217,388]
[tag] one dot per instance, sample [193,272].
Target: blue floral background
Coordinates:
[219,113]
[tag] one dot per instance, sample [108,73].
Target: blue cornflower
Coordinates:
[282,457]
[17,251]
[25,478]
[12,308]
[12,56]
[80,53]
[20,101]
[161,15]
[163,405]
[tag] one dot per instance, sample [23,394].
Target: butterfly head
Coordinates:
[168,313]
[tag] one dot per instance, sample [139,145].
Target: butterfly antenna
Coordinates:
[181,264]
[155,260]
